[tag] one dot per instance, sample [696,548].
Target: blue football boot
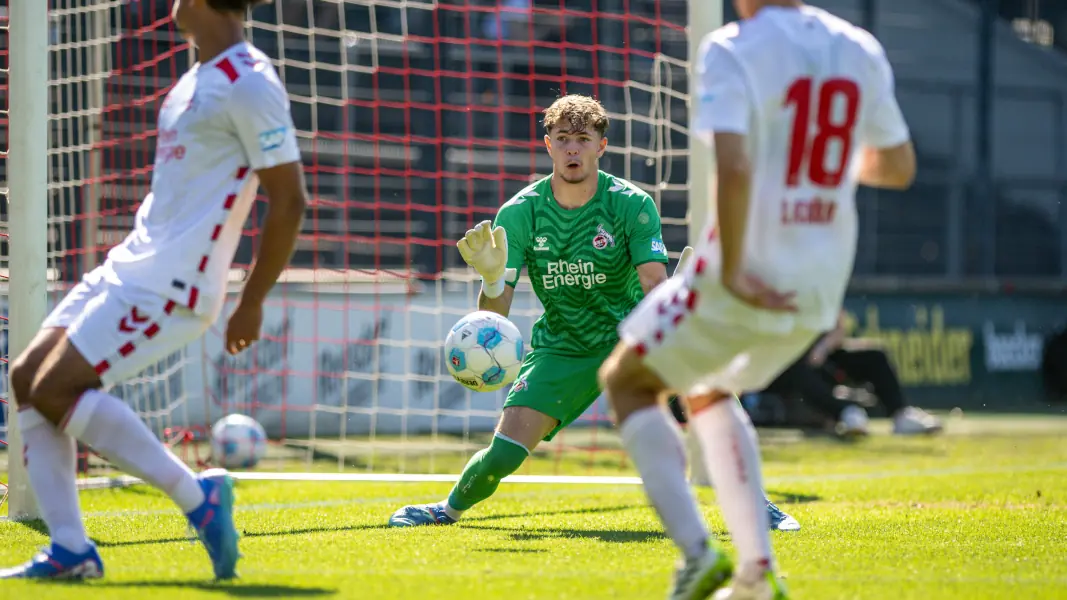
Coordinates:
[56,562]
[779,520]
[421,514]
[213,522]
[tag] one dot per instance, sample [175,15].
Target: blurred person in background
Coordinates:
[836,359]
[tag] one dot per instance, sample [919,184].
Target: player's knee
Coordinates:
[623,370]
[606,373]
[52,395]
[46,400]
[23,370]
[629,384]
[612,372]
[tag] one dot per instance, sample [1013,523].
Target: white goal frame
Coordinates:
[27,197]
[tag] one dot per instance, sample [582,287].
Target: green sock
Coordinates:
[483,473]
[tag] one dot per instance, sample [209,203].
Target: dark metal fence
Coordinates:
[984,85]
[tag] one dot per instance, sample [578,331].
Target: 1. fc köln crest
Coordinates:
[602,239]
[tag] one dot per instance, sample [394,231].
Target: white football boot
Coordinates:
[911,421]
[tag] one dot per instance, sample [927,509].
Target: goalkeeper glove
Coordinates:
[486,250]
[683,260]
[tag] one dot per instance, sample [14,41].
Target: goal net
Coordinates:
[416,119]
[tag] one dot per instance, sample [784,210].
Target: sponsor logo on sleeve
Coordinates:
[272,139]
[658,247]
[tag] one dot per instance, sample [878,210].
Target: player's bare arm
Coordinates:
[735,179]
[260,116]
[734,185]
[888,156]
[651,274]
[501,305]
[890,168]
[287,201]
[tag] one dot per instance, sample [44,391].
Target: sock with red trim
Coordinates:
[654,442]
[50,464]
[731,455]
[112,429]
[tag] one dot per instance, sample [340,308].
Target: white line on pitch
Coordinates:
[266,506]
[616,481]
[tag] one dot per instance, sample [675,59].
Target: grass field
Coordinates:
[978,514]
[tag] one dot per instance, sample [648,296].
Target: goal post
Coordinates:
[704,17]
[416,119]
[27,212]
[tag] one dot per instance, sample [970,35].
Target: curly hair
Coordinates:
[575,112]
[238,6]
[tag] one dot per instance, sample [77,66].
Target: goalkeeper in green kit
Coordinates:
[592,246]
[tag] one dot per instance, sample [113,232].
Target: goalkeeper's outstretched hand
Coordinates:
[683,260]
[486,250]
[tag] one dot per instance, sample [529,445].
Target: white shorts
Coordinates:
[700,338]
[122,331]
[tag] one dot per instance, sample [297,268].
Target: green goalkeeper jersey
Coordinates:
[582,261]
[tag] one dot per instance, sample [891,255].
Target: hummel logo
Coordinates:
[523,196]
[136,317]
[542,243]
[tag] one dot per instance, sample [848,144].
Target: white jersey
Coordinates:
[224,120]
[808,90]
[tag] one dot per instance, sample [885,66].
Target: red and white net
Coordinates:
[416,121]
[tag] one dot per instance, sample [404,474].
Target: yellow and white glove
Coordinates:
[486,250]
[683,260]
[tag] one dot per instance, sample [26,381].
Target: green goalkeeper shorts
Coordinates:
[560,386]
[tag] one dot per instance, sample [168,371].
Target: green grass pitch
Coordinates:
[977,514]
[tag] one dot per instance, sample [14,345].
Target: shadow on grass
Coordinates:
[567,511]
[518,533]
[234,589]
[34,524]
[245,534]
[620,536]
[513,550]
[791,498]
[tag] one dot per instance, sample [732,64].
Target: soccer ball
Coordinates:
[484,351]
[238,441]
